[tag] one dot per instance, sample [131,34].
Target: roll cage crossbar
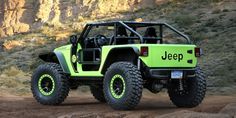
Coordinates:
[128,25]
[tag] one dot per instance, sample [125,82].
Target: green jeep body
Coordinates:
[86,60]
[153,60]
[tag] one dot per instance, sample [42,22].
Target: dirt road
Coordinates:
[85,106]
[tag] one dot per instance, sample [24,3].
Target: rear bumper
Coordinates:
[166,73]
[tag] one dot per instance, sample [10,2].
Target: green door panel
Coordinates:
[66,52]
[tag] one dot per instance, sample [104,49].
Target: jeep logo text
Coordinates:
[170,56]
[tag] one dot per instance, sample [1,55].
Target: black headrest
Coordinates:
[121,31]
[150,32]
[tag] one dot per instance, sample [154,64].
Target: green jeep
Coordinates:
[117,60]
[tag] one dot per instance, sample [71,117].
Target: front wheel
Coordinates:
[123,86]
[193,92]
[49,85]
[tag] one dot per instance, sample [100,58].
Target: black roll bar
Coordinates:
[161,30]
[126,25]
[130,29]
[178,32]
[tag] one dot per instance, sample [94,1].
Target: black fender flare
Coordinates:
[108,60]
[56,57]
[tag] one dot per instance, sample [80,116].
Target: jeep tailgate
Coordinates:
[169,55]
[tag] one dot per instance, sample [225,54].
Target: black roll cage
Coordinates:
[127,25]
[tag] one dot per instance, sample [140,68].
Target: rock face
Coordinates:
[17,16]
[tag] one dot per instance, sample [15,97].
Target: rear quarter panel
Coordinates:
[170,55]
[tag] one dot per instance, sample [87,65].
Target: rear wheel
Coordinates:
[123,86]
[49,85]
[192,93]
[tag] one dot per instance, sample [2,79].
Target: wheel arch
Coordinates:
[118,54]
[56,57]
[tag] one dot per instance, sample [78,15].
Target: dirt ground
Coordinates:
[84,105]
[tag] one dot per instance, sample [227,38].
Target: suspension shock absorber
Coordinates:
[181,85]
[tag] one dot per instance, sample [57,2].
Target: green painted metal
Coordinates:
[156,51]
[46,76]
[170,55]
[177,57]
[114,78]
[66,51]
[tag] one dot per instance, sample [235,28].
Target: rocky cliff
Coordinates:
[17,16]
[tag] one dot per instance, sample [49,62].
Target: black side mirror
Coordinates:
[73,39]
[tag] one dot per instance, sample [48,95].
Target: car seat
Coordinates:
[121,32]
[150,32]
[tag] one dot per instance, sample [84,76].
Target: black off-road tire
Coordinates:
[61,84]
[193,93]
[97,92]
[133,86]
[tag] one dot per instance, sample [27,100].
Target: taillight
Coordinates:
[144,51]
[198,52]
